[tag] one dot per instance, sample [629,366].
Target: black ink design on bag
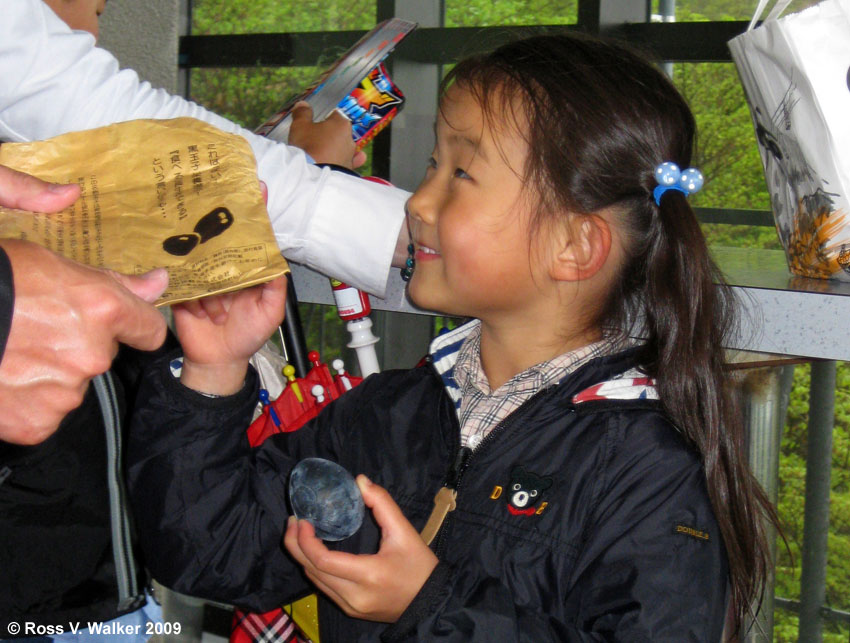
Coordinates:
[210,225]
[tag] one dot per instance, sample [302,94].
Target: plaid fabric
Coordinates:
[275,626]
[481,409]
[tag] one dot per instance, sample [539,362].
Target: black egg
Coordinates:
[213,224]
[180,244]
[325,494]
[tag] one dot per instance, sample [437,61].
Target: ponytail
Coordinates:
[688,314]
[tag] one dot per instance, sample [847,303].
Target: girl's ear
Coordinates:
[583,244]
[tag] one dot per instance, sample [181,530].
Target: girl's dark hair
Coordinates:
[598,118]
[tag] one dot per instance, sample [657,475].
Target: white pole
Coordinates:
[363,342]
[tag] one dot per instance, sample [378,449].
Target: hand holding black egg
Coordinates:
[375,587]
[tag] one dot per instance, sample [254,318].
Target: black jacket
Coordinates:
[66,542]
[620,543]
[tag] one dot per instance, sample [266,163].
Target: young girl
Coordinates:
[584,486]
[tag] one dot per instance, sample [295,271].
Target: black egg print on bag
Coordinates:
[181,244]
[210,225]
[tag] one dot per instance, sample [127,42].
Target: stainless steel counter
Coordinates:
[781,313]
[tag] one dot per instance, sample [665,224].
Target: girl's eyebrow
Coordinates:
[464,141]
[467,141]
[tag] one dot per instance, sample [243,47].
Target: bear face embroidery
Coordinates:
[525,491]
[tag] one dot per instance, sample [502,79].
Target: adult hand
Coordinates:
[220,333]
[326,142]
[376,587]
[67,322]
[25,192]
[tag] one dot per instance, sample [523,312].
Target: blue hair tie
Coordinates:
[669,177]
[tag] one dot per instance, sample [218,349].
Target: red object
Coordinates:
[324,373]
[294,414]
[377,179]
[274,626]
[351,303]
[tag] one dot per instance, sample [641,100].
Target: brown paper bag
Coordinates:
[179,194]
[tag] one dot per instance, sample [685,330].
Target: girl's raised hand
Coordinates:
[376,587]
[220,333]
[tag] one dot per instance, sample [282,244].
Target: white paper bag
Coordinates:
[796,75]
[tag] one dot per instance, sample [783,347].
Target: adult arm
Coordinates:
[67,321]
[66,324]
[56,80]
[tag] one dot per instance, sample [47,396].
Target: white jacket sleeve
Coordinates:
[54,80]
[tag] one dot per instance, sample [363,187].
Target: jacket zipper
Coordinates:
[463,455]
[122,547]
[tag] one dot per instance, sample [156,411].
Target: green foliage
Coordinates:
[326,333]
[460,13]
[726,151]
[250,96]
[791,506]
[689,10]
[741,236]
[273,16]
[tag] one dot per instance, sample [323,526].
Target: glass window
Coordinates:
[272,16]
[726,152]
[249,96]
[697,10]
[480,13]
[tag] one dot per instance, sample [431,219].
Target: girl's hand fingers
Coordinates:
[300,540]
[273,298]
[387,513]
[337,574]
[376,587]
[216,307]
[290,540]
[318,559]
[343,604]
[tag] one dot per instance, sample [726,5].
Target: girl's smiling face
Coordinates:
[469,218]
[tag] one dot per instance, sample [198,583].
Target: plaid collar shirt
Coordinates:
[482,409]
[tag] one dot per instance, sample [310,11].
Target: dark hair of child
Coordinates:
[598,119]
